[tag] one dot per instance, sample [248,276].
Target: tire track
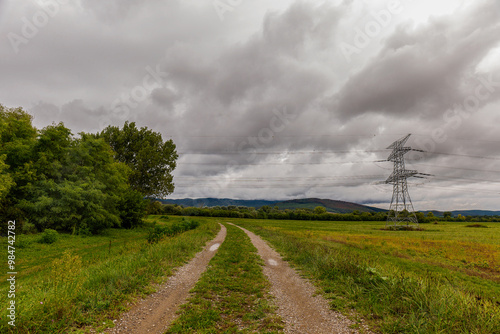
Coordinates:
[298,305]
[157,311]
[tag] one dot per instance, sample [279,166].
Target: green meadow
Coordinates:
[79,282]
[443,279]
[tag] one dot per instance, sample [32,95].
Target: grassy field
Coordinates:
[445,279]
[85,281]
[232,296]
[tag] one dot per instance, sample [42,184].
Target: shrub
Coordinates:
[158,232]
[49,236]
[476,225]
[29,228]
[132,207]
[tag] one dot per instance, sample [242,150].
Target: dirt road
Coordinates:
[302,310]
[155,313]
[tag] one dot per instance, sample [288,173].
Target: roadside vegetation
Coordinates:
[444,279]
[232,296]
[169,230]
[86,281]
[83,184]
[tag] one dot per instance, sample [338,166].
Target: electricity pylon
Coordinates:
[401,210]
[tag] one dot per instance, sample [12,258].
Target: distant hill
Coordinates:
[310,203]
[455,213]
[210,202]
[330,205]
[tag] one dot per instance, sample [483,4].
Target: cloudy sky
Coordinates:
[275,99]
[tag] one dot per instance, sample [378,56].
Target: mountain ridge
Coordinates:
[334,206]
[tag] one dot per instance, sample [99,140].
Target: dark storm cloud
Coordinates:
[265,95]
[420,70]
[242,90]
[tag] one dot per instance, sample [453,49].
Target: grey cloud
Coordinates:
[223,81]
[249,80]
[165,97]
[420,71]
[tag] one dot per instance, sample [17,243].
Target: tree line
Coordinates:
[50,178]
[318,213]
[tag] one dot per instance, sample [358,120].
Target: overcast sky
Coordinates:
[275,99]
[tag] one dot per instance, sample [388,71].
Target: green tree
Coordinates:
[421,218]
[154,208]
[6,181]
[132,208]
[151,160]
[17,138]
[79,184]
[319,210]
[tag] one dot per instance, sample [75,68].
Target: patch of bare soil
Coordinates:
[156,312]
[302,309]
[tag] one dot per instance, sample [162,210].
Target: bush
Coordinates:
[49,236]
[476,225]
[29,228]
[158,232]
[132,207]
[83,230]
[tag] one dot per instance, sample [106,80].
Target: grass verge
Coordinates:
[232,296]
[78,282]
[393,302]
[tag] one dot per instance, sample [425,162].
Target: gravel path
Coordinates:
[155,313]
[303,311]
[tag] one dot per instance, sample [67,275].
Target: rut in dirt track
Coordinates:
[155,313]
[302,311]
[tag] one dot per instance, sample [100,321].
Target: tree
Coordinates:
[78,184]
[319,210]
[17,137]
[132,207]
[421,218]
[447,215]
[6,181]
[151,160]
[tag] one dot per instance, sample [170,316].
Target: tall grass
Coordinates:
[71,294]
[394,302]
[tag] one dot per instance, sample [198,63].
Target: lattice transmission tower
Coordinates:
[401,211]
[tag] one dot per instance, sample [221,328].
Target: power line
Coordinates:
[278,163]
[459,168]
[289,178]
[373,135]
[285,152]
[461,155]
[244,152]
[453,188]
